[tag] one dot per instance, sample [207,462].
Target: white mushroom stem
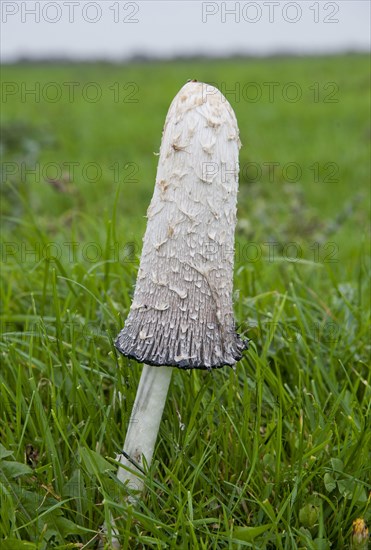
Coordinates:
[142,433]
[143,426]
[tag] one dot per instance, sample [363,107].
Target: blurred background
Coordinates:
[86,87]
[120,30]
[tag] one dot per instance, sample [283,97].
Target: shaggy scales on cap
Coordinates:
[182,311]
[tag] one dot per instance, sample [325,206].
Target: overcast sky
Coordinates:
[118,29]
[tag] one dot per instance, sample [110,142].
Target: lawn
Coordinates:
[272,454]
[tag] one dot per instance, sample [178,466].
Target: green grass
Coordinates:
[273,454]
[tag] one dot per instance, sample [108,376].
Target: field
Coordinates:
[272,454]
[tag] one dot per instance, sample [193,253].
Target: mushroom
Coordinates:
[182,312]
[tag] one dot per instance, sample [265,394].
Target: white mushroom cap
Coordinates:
[182,311]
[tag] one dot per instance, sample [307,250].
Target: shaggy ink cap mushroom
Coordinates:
[182,310]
